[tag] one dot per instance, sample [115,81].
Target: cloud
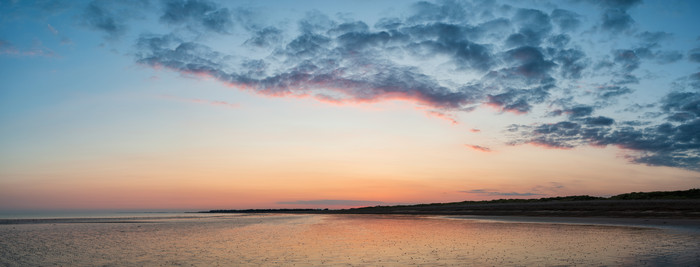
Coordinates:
[615,17]
[332,202]
[7,48]
[572,63]
[616,20]
[197,12]
[442,115]
[653,38]
[579,111]
[599,121]
[694,55]
[446,57]
[612,91]
[52,29]
[496,193]
[37,49]
[565,19]
[673,143]
[479,148]
[627,59]
[265,37]
[101,17]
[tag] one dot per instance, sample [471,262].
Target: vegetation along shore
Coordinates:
[659,204]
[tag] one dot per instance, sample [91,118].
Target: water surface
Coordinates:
[364,240]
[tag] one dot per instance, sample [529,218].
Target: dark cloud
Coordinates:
[560,40]
[695,80]
[579,111]
[266,37]
[510,58]
[533,27]
[565,19]
[513,101]
[519,100]
[599,121]
[307,45]
[616,20]
[333,202]
[653,38]
[627,59]
[388,23]
[533,20]
[431,12]
[682,102]
[674,143]
[354,42]
[496,193]
[615,17]
[356,26]
[100,17]
[661,57]
[571,63]
[694,55]
[530,62]
[621,4]
[445,39]
[315,22]
[381,82]
[204,13]
[606,93]
[625,78]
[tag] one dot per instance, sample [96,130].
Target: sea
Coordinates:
[205,239]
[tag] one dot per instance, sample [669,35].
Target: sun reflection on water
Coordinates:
[368,240]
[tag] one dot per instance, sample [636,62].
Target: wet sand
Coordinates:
[350,239]
[691,224]
[663,223]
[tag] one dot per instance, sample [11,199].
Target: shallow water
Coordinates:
[366,240]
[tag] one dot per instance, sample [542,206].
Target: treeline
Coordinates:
[267,211]
[680,194]
[520,200]
[534,203]
[684,194]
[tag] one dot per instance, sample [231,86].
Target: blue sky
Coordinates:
[303,102]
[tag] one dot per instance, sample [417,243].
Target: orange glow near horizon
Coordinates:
[433,176]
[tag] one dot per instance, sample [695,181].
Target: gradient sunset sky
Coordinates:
[198,104]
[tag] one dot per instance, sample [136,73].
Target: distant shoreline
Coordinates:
[605,208]
[659,204]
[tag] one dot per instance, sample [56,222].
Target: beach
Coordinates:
[348,239]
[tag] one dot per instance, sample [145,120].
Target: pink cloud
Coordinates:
[478,148]
[441,115]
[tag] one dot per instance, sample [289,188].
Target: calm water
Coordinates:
[365,240]
[91,214]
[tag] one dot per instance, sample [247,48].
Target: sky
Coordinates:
[199,104]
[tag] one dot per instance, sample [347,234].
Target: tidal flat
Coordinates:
[343,239]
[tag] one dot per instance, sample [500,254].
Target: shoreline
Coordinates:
[659,209]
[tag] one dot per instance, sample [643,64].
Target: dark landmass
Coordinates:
[661,204]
